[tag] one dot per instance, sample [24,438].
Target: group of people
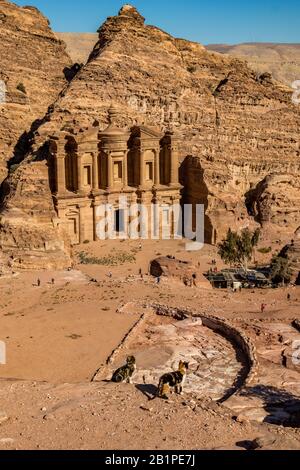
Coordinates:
[39,282]
[190,281]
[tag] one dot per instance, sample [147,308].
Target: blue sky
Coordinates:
[210,21]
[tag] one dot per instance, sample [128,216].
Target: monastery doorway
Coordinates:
[119,222]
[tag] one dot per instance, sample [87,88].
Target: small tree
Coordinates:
[228,248]
[239,248]
[21,87]
[281,271]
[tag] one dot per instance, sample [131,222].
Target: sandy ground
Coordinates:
[106,416]
[62,333]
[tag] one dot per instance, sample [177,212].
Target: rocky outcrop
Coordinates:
[276,200]
[177,270]
[236,129]
[31,74]
[29,237]
[292,253]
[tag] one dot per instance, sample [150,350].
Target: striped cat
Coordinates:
[173,380]
[125,373]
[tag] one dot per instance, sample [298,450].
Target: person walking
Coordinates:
[263,308]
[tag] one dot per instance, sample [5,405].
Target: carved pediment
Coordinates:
[146,133]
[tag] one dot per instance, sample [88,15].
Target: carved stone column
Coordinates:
[142,169]
[174,162]
[79,172]
[125,169]
[95,172]
[170,144]
[109,171]
[157,168]
[60,173]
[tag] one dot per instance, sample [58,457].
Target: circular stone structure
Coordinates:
[217,367]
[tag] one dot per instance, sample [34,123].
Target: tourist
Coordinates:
[289,296]
[158,280]
[38,282]
[53,281]
[194,277]
[263,308]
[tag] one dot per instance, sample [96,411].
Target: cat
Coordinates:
[125,373]
[173,380]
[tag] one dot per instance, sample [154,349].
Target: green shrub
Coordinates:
[281,271]
[21,87]
[192,69]
[111,260]
[265,250]
[13,168]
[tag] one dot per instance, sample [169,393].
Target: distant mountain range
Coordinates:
[281,60]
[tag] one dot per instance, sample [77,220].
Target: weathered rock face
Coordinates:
[276,200]
[292,252]
[236,128]
[31,70]
[239,128]
[29,237]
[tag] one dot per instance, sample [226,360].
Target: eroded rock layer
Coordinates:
[29,236]
[31,73]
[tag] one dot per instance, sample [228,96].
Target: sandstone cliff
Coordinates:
[31,69]
[282,61]
[29,236]
[236,128]
[32,73]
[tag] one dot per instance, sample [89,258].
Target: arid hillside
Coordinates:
[79,45]
[281,60]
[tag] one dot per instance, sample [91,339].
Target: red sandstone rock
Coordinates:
[31,56]
[236,130]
